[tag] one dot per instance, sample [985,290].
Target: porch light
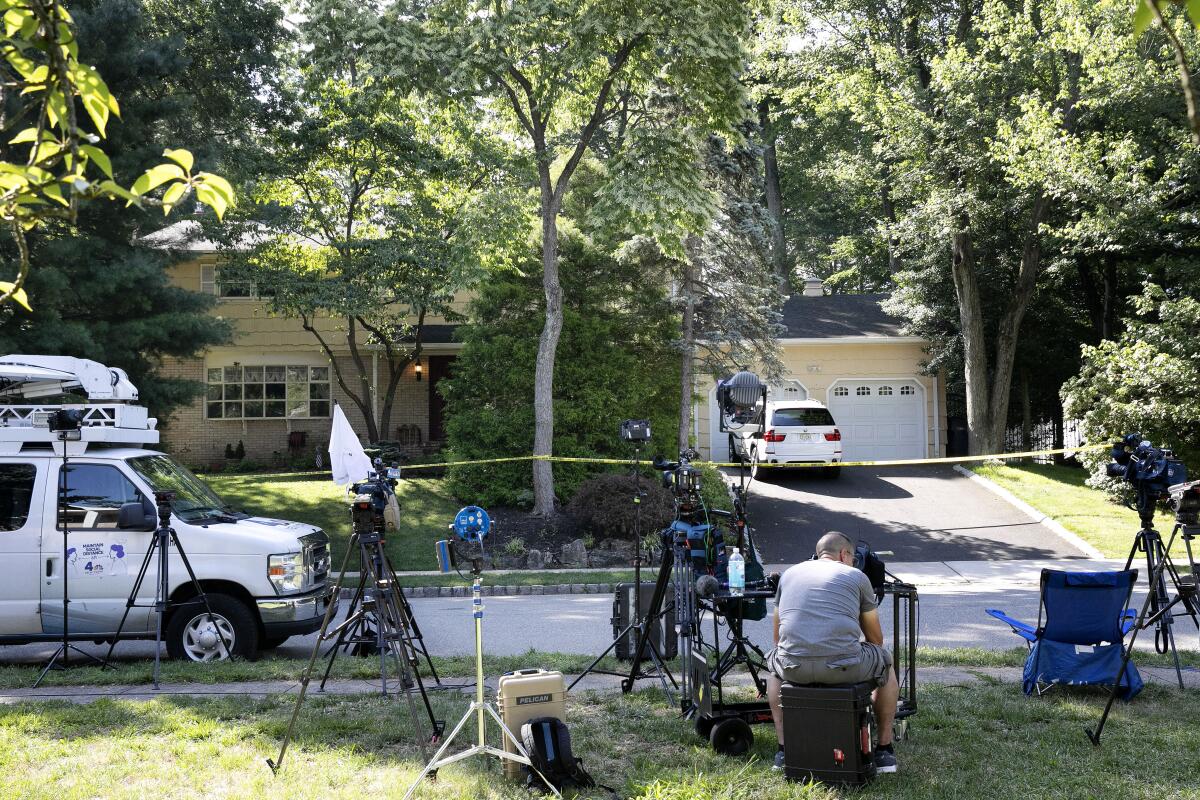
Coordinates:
[418,370]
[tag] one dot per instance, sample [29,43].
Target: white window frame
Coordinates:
[210,283]
[291,383]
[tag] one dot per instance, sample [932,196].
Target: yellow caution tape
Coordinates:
[804,465]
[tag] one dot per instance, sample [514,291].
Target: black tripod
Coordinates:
[164,538]
[640,624]
[64,650]
[1161,568]
[379,595]
[1156,609]
[388,631]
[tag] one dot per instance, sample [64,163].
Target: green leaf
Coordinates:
[181,157]
[54,192]
[117,190]
[1142,17]
[219,185]
[19,295]
[1193,8]
[156,176]
[27,135]
[206,194]
[172,195]
[99,157]
[94,94]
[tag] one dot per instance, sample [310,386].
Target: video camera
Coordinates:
[1184,500]
[868,562]
[371,499]
[1151,469]
[680,476]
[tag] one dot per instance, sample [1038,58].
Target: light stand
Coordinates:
[639,623]
[479,709]
[67,425]
[164,537]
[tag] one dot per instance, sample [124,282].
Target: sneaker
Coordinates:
[885,761]
[778,766]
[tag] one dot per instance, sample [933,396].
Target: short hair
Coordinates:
[833,543]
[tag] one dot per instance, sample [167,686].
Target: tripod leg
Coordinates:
[343,631]
[411,620]
[132,600]
[312,660]
[660,591]
[187,565]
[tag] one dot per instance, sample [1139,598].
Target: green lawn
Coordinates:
[966,742]
[1059,493]
[425,505]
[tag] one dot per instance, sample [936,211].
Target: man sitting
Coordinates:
[823,610]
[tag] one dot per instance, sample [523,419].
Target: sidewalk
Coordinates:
[948,676]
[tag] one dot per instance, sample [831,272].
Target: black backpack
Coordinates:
[548,743]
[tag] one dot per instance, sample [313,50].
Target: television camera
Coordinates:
[1152,471]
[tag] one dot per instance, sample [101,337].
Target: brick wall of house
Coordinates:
[201,442]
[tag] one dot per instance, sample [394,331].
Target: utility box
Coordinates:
[662,630]
[828,733]
[528,694]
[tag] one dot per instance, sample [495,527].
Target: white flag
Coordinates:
[346,457]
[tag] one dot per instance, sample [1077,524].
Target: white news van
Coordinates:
[266,579]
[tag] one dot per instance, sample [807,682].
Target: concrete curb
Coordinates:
[499,590]
[1031,512]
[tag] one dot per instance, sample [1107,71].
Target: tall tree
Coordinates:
[100,290]
[560,71]
[375,214]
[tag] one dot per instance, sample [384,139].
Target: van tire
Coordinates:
[190,638]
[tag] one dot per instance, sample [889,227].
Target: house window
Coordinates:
[270,392]
[211,283]
[885,390]
[840,391]
[907,390]
[862,391]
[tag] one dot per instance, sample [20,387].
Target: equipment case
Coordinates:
[662,630]
[524,695]
[828,733]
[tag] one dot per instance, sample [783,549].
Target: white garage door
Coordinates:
[879,420]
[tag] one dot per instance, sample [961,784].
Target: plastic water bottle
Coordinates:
[737,574]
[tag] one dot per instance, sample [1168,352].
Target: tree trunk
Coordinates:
[980,432]
[688,350]
[363,400]
[774,194]
[888,206]
[543,382]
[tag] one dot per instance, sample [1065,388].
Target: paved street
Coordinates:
[953,598]
[919,514]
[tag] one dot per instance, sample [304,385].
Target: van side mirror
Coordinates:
[133,517]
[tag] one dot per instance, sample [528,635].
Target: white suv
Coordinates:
[797,431]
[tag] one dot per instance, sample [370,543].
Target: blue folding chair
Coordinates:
[1082,621]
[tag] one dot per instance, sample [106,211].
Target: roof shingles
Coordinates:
[838,315]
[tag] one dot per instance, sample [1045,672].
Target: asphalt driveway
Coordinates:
[918,513]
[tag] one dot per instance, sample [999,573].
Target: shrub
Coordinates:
[1148,382]
[604,505]
[615,361]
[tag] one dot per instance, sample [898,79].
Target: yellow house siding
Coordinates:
[818,366]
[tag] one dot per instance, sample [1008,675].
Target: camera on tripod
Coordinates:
[369,503]
[1184,500]
[635,430]
[164,501]
[680,476]
[1150,468]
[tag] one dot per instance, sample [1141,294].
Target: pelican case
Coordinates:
[662,631]
[828,733]
[528,694]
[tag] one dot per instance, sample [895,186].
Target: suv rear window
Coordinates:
[797,417]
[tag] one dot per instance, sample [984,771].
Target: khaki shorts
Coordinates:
[871,663]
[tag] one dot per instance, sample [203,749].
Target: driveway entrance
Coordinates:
[917,513]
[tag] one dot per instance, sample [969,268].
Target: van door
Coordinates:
[20,548]
[102,561]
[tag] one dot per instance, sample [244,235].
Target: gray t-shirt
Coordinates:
[819,603]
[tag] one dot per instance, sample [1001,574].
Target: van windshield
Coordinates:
[801,417]
[193,499]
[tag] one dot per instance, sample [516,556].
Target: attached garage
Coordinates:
[849,353]
[879,419]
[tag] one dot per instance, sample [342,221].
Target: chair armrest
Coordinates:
[1128,620]
[1022,629]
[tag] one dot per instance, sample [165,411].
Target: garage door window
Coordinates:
[863,390]
[907,390]
[885,390]
[841,391]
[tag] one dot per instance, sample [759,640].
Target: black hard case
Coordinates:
[822,722]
